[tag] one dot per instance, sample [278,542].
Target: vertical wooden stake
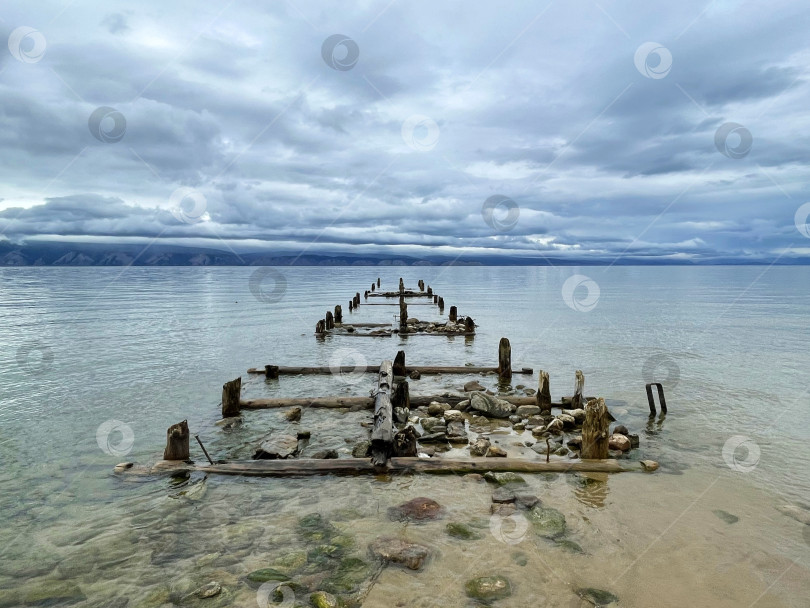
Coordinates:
[330,321]
[230,397]
[351,305]
[338,314]
[578,401]
[403,313]
[429,290]
[504,359]
[435,299]
[543,397]
[320,327]
[595,430]
[469,325]
[399,364]
[365,294]
[378,281]
[372,287]
[271,371]
[401,285]
[441,303]
[401,396]
[177,442]
[453,314]
[421,285]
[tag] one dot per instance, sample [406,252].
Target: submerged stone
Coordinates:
[398,551]
[491,406]
[597,597]
[726,516]
[489,588]
[503,479]
[322,599]
[264,575]
[547,522]
[569,545]
[418,509]
[462,531]
[212,589]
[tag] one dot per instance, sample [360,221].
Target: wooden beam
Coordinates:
[422,369]
[382,435]
[360,403]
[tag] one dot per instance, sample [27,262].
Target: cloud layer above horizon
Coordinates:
[586,130]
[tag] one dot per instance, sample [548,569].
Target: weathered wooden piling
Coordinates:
[378,281]
[402,395]
[338,314]
[177,440]
[595,430]
[543,392]
[504,359]
[469,325]
[357,299]
[441,303]
[382,435]
[422,369]
[365,294]
[399,364]
[429,290]
[401,285]
[230,397]
[330,320]
[271,371]
[351,305]
[403,313]
[421,284]
[435,298]
[453,316]
[320,327]
[578,400]
[373,286]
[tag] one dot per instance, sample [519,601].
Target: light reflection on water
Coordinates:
[154,346]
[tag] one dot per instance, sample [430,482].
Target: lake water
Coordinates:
[97,363]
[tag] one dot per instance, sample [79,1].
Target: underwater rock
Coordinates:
[398,551]
[418,509]
[726,516]
[524,411]
[212,589]
[495,452]
[597,597]
[293,414]
[461,531]
[619,442]
[362,449]
[277,447]
[491,406]
[473,385]
[547,522]
[489,588]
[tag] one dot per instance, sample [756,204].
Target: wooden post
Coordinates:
[330,321]
[469,325]
[403,313]
[351,305]
[372,287]
[543,392]
[320,327]
[578,401]
[382,436]
[177,442]
[453,314]
[365,294]
[429,290]
[441,303]
[421,285]
[401,396]
[401,285]
[338,314]
[595,430]
[378,281]
[357,299]
[230,397]
[435,299]
[271,371]
[504,359]
[399,364]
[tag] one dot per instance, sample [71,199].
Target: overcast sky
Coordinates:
[561,129]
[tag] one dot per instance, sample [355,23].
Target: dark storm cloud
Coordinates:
[543,104]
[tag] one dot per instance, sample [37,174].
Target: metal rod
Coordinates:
[197,437]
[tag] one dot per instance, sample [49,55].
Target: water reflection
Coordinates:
[591,489]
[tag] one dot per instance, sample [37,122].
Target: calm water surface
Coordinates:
[136,350]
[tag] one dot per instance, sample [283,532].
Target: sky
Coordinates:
[653,131]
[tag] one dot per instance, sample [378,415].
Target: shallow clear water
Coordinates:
[149,347]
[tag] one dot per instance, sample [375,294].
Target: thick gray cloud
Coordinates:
[233,106]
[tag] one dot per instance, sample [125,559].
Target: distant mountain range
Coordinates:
[42,253]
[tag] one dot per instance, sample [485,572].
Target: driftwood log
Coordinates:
[230,397]
[595,430]
[177,439]
[504,359]
[543,392]
[382,435]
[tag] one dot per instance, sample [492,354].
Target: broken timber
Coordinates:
[422,369]
[368,402]
[382,436]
